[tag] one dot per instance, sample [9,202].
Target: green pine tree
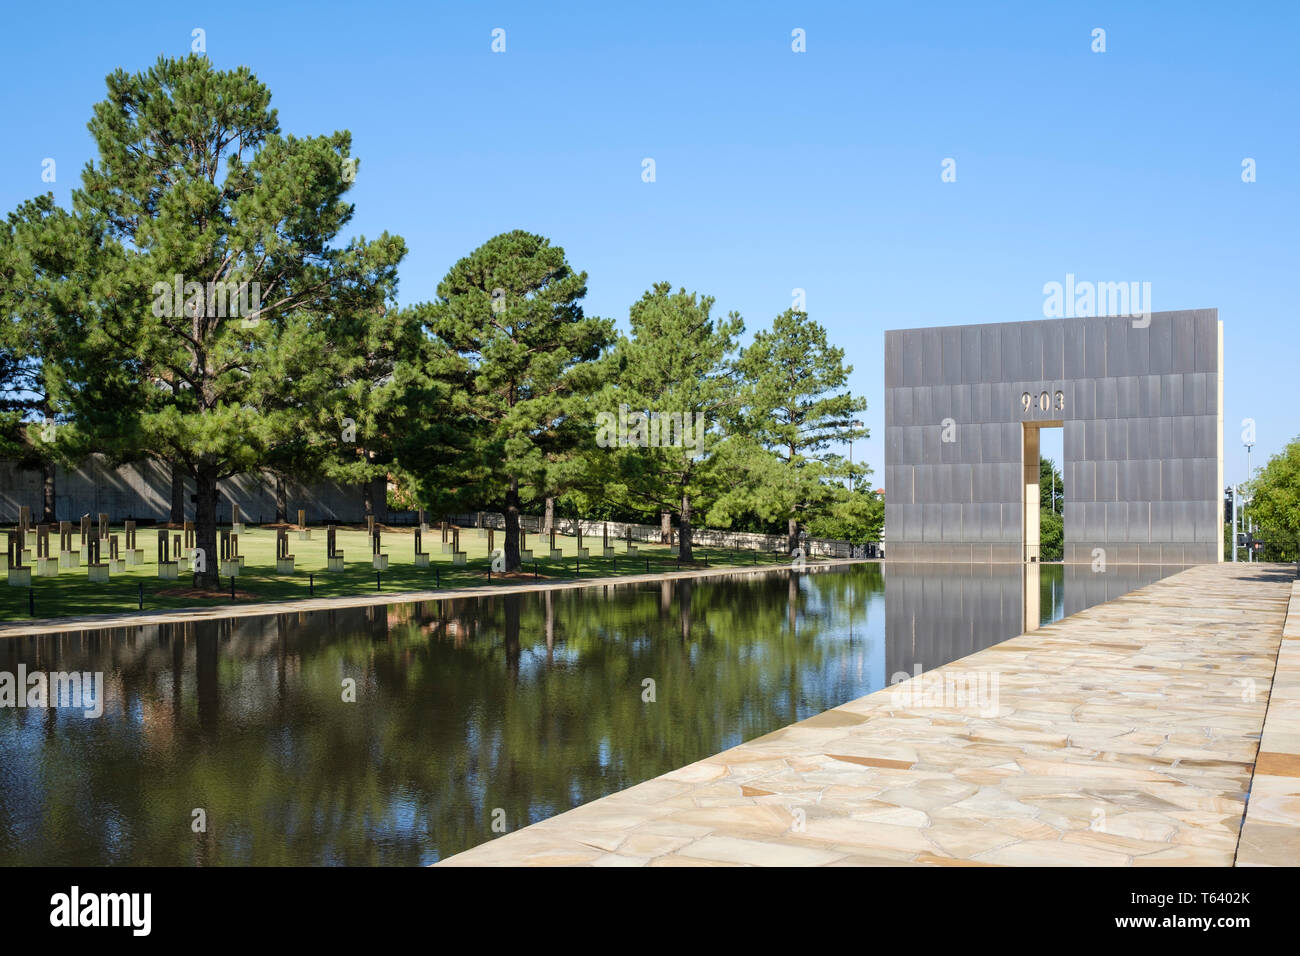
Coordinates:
[39,245]
[219,298]
[513,357]
[797,408]
[664,416]
[361,422]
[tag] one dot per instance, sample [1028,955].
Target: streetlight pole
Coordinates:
[1232,538]
[1250,551]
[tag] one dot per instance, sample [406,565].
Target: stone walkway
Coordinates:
[245,609]
[1125,734]
[1271,835]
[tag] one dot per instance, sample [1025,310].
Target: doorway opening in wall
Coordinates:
[1043,493]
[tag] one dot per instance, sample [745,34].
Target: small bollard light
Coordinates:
[378,574]
[437,578]
[534,570]
[140,596]
[311,584]
[232,587]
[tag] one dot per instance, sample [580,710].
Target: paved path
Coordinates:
[245,609]
[1271,835]
[1124,734]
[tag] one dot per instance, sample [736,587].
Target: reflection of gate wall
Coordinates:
[1084,588]
[931,620]
[1142,415]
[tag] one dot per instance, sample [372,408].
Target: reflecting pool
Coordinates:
[402,734]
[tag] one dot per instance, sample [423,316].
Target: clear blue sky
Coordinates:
[776,170]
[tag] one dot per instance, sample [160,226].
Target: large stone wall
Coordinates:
[1142,413]
[142,491]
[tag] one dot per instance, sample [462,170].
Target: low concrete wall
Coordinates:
[142,491]
[701,537]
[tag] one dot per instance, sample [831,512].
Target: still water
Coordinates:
[234,742]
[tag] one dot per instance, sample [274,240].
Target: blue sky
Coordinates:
[776,170]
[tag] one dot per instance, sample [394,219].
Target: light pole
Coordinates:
[852,425]
[1232,538]
[1250,551]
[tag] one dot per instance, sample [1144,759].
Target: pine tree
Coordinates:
[797,408]
[362,418]
[516,360]
[218,298]
[39,246]
[674,391]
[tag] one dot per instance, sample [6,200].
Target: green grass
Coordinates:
[71,594]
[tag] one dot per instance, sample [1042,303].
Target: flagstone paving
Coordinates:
[1126,734]
[1271,833]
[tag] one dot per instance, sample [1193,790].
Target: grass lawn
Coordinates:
[72,594]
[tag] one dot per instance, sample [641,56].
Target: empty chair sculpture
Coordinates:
[283,559]
[333,556]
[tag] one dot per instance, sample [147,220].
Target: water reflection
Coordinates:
[940,613]
[529,704]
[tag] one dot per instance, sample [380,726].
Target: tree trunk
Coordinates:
[665,528]
[281,502]
[550,516]
[512,526]
[178,496]
[684,552]
[205,525]
[368,498]
[792,529]
[48,515]
[47,482]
